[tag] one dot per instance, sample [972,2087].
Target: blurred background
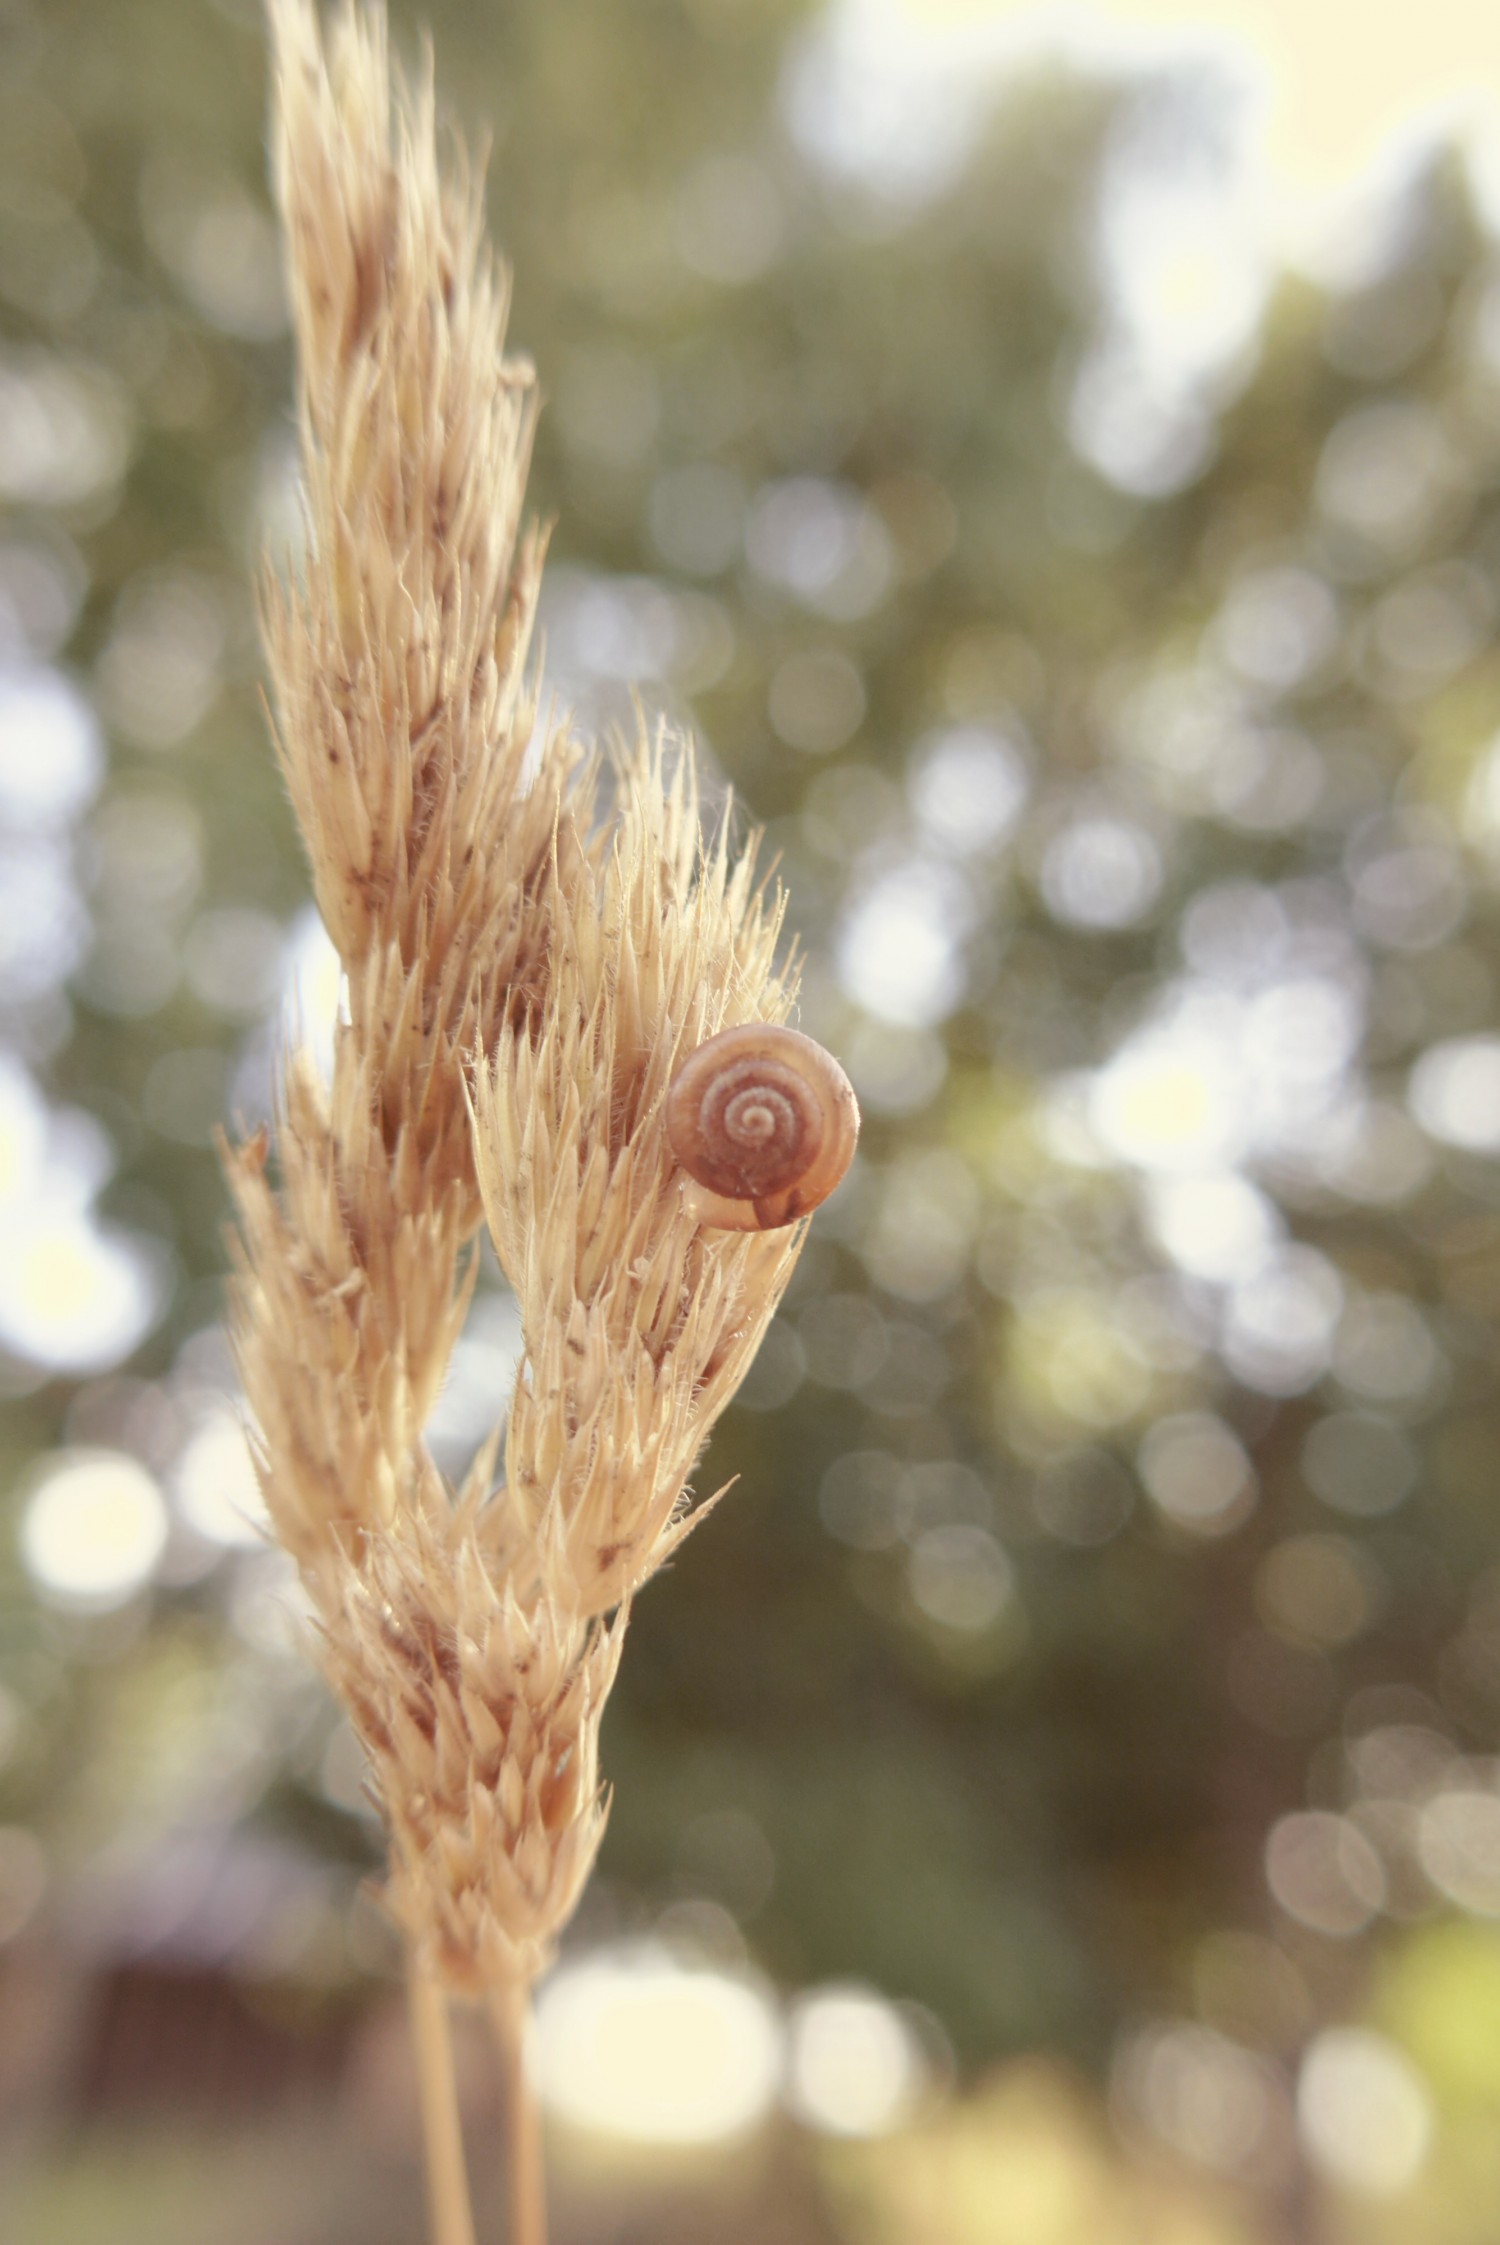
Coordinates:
[1053,461]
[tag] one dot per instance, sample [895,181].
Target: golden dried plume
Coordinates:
[535,942]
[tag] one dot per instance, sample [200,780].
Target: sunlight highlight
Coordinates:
[632,2044]
[93,1530]
[1337,84]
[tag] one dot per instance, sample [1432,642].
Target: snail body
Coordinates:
[765,1122]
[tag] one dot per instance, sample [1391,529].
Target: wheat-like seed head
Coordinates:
[480,1711]
[639,1323]
[398,660]
[529,956]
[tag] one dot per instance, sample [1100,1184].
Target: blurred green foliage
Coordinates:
[1118,1482]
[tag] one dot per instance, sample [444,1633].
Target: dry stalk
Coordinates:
[528,959]
[452,2217]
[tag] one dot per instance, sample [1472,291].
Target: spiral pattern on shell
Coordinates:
[765,1122]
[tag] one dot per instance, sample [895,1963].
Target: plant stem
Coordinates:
[442,2134]
[510,2014]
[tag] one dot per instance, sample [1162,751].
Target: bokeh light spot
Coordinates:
[1455,1093]
[94,1527]
[216,1485]
[1196,1469]
[968,786]
[51,761]
[960,1577]
[1324,1872]
[1359,1463]
[1363,2111]
[632,2044]
[898,951]
[1459,1845]
[1169,1103]
[72,1295]
[854,2066]
[1101,873]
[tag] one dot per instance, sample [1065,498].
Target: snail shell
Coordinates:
[764,1121]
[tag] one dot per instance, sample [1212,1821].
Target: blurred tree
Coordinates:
[1116,1485]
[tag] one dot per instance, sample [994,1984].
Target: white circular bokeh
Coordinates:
[633,2044]
[854,2066]
[94,1528]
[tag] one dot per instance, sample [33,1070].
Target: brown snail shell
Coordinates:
[765,1122]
